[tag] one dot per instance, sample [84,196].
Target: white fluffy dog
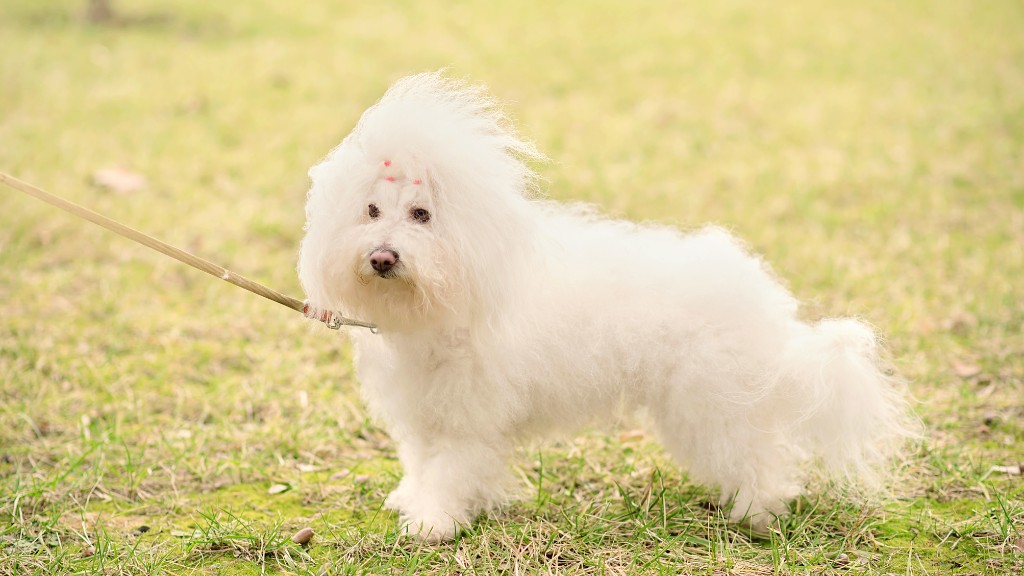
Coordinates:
[503,317]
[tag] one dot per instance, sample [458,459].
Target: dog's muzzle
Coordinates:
[383,260]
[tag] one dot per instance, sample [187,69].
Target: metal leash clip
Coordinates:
[333,320]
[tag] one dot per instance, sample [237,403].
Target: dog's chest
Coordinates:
[449,350]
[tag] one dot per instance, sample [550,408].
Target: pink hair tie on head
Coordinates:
[417,181]
[390,178]
[387,162]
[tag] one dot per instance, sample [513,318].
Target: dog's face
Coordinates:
[372,247]
[395,220]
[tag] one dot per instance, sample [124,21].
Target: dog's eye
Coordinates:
[420,215]
[373,211]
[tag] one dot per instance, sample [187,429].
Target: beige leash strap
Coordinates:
[333,320]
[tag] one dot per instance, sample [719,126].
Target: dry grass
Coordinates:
[872,151]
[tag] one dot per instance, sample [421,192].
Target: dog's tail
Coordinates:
[850,412]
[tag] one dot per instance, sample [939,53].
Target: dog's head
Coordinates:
[419,216]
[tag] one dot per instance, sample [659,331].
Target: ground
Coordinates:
[156,420]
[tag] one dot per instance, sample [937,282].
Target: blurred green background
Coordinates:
[873,152]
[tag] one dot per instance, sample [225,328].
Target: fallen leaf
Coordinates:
[632,436]
[120,180]
[965,369]
[279,488]
[865,558]
[1018,546]
[1011,470]
[307,468]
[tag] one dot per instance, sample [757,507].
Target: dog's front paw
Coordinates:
[755,517]
[761,525]
[398,500]
[433,529]
[421,517]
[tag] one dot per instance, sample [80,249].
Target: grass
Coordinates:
[872,151]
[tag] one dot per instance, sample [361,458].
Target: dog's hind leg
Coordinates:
[733,446]
[758,485]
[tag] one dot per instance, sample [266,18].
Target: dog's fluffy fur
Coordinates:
[503,317]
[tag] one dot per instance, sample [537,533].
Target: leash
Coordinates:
[333,320]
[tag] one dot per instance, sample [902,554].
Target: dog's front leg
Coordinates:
[448,480]
[452,424]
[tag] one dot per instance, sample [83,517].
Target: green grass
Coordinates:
[872,151]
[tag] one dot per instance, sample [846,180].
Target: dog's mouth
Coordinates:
[365,277]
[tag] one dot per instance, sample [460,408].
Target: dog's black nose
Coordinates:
[383,260]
